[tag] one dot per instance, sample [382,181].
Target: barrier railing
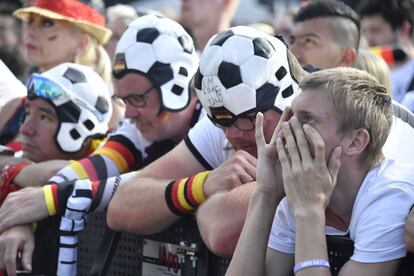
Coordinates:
[177,251]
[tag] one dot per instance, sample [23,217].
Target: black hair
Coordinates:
[328,8]
[335,10]
[395,12]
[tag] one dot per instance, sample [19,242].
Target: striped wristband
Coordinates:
[310,263]
[183,196]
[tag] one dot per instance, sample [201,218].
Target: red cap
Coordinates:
[73,11]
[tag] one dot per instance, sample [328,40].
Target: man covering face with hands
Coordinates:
[327,150]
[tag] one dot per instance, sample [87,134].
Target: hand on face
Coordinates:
[269,176]
[308,179]
[19,238]
[21,207]
[238,170]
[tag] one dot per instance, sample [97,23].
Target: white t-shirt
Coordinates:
[10,86]
[401,77]
[378,216]
[208,144]
[399,142]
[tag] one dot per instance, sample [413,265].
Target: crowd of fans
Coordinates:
[271,135]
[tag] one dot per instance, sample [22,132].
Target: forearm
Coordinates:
[139,206]
[10,160]
[221,218]
[311,242]
[409,232]
[40,173]
[255,235]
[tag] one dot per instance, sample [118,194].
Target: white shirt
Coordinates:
[208,144]
[378,216]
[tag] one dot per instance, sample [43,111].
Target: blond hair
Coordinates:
[95,56]
[360,102]
[375,65]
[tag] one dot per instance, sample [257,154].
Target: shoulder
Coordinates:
[208,143]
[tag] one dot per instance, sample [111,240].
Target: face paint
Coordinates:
[164,116]
[52,37]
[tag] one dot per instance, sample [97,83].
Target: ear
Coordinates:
[406,28]
[404,33]
[356,142]
[83,42]
[348,57]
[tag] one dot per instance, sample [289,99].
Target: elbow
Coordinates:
[220,245]
[220,237]
[113,218]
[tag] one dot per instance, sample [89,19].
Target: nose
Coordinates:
[29,30]
[132,112]
[233,132]
[28,128]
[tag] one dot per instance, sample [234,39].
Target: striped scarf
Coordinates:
[87,196]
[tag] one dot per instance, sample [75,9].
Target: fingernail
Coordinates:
[285,124]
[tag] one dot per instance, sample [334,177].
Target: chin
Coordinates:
[151,136]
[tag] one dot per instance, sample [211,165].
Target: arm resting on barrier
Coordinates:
[221,218]
[139,204]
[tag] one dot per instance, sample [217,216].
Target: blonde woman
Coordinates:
[65,31]
[55,32]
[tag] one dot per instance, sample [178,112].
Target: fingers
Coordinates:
[21,207]
[301,141]
[242,158]
[335,162]
[260,141]
[287,113]
[27,253]
[250,159]
[291,145]
[244,165]
[10,255]
[317,143]
[284,160]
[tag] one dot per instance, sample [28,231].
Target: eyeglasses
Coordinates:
[136,100]
[245,123]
